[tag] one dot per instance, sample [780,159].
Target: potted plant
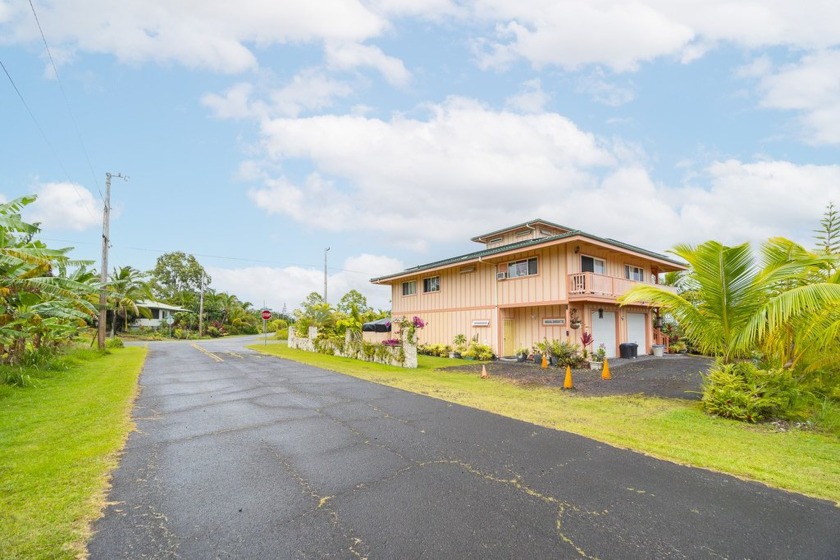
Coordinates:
[521,354]
[539,351]
[586,340]
[574,320]
[598,357]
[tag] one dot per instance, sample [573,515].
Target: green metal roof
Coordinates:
[527,244]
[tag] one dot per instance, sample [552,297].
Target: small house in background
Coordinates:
[533,281]
[159,313]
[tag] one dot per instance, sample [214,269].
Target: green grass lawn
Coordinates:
[59,439]
[671,429]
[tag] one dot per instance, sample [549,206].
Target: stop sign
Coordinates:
[266,314]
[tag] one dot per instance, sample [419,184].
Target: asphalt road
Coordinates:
[238,455]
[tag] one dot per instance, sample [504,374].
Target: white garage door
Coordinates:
[603,331]
[636,330]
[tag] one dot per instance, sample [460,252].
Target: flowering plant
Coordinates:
[392,342]
[410,327]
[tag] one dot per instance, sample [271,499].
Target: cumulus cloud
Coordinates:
[290,285]
[531,98]
[349,56]
[466,169]
[812,86]
[622,35]
[215,35]
[65,206]
[309,90]
[464,159]
[574,34]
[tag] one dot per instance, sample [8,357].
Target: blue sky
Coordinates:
[258,133]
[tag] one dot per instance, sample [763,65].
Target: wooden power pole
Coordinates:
[103,274]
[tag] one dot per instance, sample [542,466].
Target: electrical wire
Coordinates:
[223,257]
[66,101]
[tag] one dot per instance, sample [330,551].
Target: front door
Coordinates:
[508,343]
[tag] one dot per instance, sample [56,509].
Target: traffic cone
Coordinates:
[567,383]
[484,374]
[544,362]
[605,373]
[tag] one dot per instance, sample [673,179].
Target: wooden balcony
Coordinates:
[588,285]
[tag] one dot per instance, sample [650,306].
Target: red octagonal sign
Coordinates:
[266,314]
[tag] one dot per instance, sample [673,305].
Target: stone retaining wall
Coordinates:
[355,347]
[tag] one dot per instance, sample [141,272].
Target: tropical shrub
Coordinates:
[742,391]
[114,342]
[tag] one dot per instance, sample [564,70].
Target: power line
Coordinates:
[66,100]
[44,135]
[204,255]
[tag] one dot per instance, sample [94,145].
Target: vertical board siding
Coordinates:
[477,295]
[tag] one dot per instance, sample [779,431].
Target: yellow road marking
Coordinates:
[208,352]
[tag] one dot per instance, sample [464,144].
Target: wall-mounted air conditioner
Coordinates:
[501,275]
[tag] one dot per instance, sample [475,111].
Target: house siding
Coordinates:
[469,292]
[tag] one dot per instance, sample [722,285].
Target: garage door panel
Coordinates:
[603,332]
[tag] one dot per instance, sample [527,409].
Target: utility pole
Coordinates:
[201,308]
[325,274]
[106,243]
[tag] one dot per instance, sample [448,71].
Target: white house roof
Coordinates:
[148,304]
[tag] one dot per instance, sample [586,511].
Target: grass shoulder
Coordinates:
[670,429]
[59,439]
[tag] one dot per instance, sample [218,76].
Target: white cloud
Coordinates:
[755,201]
[212,34]
[428,9]
[605,91]
[468,169]
[623,34]
[309,90]
[812,86]
[423,180]
[530,99]
[348,56]
[291,285]
[65,206]
[574,34]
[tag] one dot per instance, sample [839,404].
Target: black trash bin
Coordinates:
[628,350]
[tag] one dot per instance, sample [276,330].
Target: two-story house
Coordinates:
[532,281]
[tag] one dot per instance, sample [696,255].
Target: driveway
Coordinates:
[239,455]
[675,376]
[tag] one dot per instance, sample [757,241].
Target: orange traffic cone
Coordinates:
[484,374]
[567,383]
[605,373]
[544,362]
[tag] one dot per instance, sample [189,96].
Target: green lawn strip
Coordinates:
[58,442]
[671,429]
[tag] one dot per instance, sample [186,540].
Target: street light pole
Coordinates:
[325,274]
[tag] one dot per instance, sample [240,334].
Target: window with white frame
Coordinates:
[409,288]
[593,264]
[526,267]
[634,273]
[431,284]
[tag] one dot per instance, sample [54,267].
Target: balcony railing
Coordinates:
[591,284]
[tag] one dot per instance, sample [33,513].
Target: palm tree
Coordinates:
[735,307]
[127,287]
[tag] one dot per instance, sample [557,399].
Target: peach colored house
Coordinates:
[527,284]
